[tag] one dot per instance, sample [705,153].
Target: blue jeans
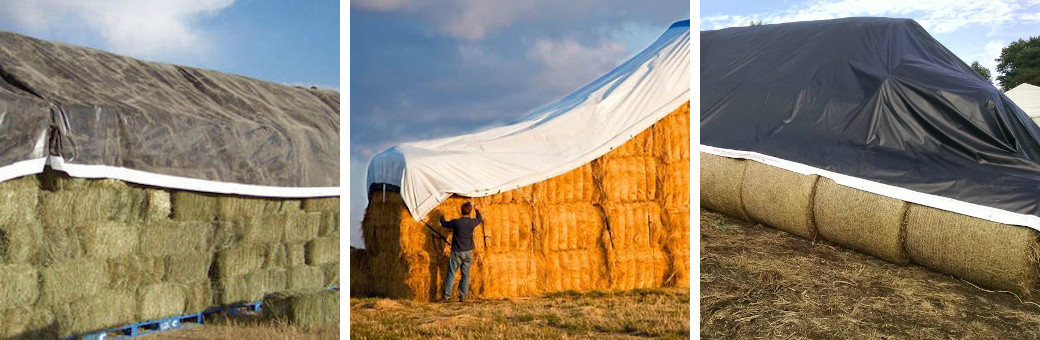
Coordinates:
[458,259]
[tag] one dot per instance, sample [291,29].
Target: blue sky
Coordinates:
[422,69]
[291,42]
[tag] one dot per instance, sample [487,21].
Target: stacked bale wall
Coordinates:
[618,222]
[80,255]
[990,254]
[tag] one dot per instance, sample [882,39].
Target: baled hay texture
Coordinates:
[388,227]
[568,226]
[71,208]
[678,274]
[272,279]
[239,260]
[158,205]
[331,274]
[275,255]
[225,235]
[638,269]
[522,194]
[198,296]
[259,228]
[302,226]
[27,323]
[577,185]
[169,237]
[185,268]
[296,254]
[60,244]
[159,301]
[311,307]
[672,136]
[18,286]
[780,198]
[306,277]
[329,223]
[321,204]
[574,270]
[359,270]
[629,179]
[987,253]
[677,220]
[507,227]
[239,289]
[721,180]
[18,199]
[104,240]
[509,274]
[860,220]
[21,242]
[231,207]
[641,144]
[674,186]
[131,272]
[110,309]
[634,226]
[193,206]
[54,180]
[70,281]
[323,250]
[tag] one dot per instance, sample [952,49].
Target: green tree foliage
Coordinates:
[753,23]
[981,70]
[1019,63]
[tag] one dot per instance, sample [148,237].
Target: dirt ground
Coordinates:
[656,313]
[758,282]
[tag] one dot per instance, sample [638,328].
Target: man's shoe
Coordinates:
[443,300]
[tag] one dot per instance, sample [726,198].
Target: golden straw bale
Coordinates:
[60,244]
[674,186]
[158,204]
[510,274]
[574,270]
[638,269]
[990,254]
[860,220]
[678,274]
[507,227]
[522,194]
[641,144]
[629,179]
[780,198]
[577,185]
[568,226]
[676,220]
[721,180]
[672,135]
[634,226]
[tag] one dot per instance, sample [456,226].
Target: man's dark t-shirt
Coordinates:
[462,236]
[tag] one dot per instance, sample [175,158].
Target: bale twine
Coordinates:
[159,301]
[18,285]
[672,136]
[510,274]
[577,185]
[629,179]
[88,277]
[860,220]
[104,240]
[568,226]
[780,198]
[323,250]
[634,226]
[721,181]
[133,271]
[307,307]
[95,313]
[987,253]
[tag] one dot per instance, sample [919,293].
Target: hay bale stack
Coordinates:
[321,204]
[676,242]
[104,240]
[629,179]
[198,296]
[19,200]
[307,307]
[634,226]
[577,185]
[323,250]
[21,240]
[638,269]
[721,182]
[672,136]
[860,220]
[184,268]
[780,198]
[239,260]
[99,312]
[991,254]
[512,274]
[28,323]
[131,272]
[159,204]
[358,272]
[507,227]
[641,144]
[18,286]
[70,281]
[581,270]
[169,237]
[302,226]
[524,194]
[568,226]
[674,187]
[193,206]
[160,300]
[305,277]
[238,289]
[67,209]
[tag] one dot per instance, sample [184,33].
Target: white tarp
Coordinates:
[548,141]
[1027,97]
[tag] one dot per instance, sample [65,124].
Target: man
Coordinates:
[461,250]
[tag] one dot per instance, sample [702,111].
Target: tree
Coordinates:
[981,70]
[1019,63]
[753,23]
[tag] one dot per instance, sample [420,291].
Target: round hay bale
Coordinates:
[779,198]
[860,220]
[721,180]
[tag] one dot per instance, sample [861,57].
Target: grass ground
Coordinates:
[657,313]
[245,326]
[758,282]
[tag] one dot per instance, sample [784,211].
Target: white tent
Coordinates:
[1027,97]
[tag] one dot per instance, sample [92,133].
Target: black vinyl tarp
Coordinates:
[872,98]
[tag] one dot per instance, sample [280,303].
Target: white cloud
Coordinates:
[568,63]
[140,28]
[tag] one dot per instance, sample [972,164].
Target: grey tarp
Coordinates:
[98,114]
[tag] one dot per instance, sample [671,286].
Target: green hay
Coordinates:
[323,250]
[259,228]
[286,205]
[54,180]
[168,237]
[302,226]
[238,207]
[779,198]
[193,206]
[721,180]
[275,255]
[987,253]
[296,254]
[860,220]
[321,204]
[186,268]
[18,286]
[159,300]
[329,223]
[272,279]
[305,277]
[331,274]
[310,307]
[60,244]
[19,199]
[239,260]
[21,242]
[70,281]
[105,240]
[131,272]
[198,296]
[224,236]
[27,323]
[110,309]
[238,289]
[158,204]
[68,209]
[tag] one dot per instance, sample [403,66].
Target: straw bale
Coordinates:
[60,244]
[641,144]
[19,199]
[329,223]
[524,194]
[27,323]
[305,277]
[272,279]
[238,289]
[638,269]
[321,204]
[18,285]
[104,240]
[296,254]
[672,135]
[225,236]
[309,307]
[69,281]
[287,205]
[323,250]
[629,179]
[184,268]
[70,208]
[510,274]
[159,300]
[275,255]
[577,185]
[239,260]
[21,241]
[634,225]
[674,186]
[169,237]
[677,220]
[231,207]
[259,228]
[193,206]
[780,198]
[54,180]
[106,310]
[860,220]
[574,270]
[331,274]
[198,296]
[990,254]
[678,274]
[158,204]
[132,271]
[568,226]
[506,227]
[721,181]
[359,272]
[303,226]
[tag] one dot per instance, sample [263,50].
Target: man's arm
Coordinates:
[479,218]
[445,224]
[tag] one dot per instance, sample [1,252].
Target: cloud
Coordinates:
[568,63]
[148,29]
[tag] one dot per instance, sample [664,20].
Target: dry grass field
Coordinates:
[245,326]
[758,282]
[656,313]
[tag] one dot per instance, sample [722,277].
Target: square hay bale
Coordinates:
[60,244]
[580,270]
[239,260]
[860,220]
[387,226]
[780,198]
[69,281]
[628,179]
[634,226]
[225,236]
[296,255]
[672,135]
[272,279]
[323,250]
[184,268]
[67,209]
[110,309]
[27,323]
[104,240]
[507,227]
[990,254]
[646,268]
[568,226]
[676,220]
[54,180]
[522,194]
[237,207]
[321,204]
[678,274]
[302,226]
[198,296]
[21,241]
[329,223]
[132,271]
[306,277]
[359,272]
[158,204]
[193,206]
[721,181]
[331,274]
[18,285]
[674,186]
[640,144]
[19,199]
[159,301]
[259,228]
[577,185]
[287,205]
[239,289]
[510,274]
[310,307]
[170,237]
[275,255]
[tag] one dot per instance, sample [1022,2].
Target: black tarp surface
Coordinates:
[98,108]
[873,98]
